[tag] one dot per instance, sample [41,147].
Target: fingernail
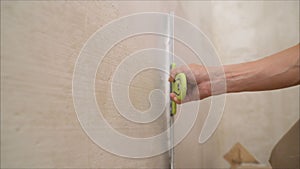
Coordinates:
[171,79]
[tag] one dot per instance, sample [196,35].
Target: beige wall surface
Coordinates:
[40,42]
[243,31]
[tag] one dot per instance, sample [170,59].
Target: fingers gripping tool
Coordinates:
[179,88]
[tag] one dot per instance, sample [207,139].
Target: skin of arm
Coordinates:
[277,71]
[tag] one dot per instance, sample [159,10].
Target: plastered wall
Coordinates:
[243,31]
[40,42]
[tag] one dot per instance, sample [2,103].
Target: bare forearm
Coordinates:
[277,71]
[274,72]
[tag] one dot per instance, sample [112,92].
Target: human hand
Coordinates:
[198,83]
[277,71]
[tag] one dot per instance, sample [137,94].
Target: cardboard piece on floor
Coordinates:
[240,158]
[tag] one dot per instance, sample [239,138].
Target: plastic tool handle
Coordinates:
[179,87]
[173,104]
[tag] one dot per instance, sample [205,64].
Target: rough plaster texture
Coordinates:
[40,42]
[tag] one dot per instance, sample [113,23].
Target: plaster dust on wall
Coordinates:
[40,42]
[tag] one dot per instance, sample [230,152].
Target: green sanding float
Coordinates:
[178,87]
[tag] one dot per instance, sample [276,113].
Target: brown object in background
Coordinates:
[240,158]
[286,152]
[239,154]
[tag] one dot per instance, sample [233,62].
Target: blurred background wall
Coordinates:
[244,31]
[40,42]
